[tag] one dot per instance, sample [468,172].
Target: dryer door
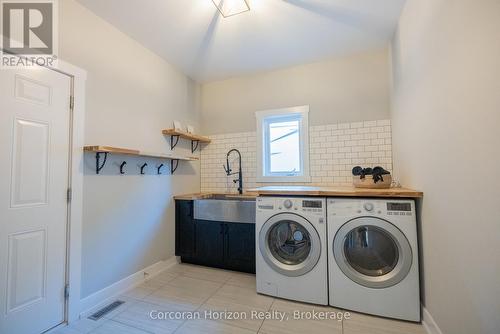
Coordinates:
[372,252]
[290,244]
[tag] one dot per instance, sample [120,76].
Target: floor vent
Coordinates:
[105,310]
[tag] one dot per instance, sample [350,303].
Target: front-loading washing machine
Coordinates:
[291,252]
[373,257]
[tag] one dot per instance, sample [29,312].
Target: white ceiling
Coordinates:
[193,36]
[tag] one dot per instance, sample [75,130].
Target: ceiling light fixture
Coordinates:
[231,7]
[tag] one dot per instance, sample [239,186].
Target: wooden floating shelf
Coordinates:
[174,159]
[176,134]
[186,135]
[126,151]
[109,149]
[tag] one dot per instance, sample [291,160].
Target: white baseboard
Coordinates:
[101,298]
[429,324]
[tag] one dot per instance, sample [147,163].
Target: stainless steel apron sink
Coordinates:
[225,208]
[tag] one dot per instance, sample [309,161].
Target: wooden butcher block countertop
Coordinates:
[336,192]
[206,195]
[313,191]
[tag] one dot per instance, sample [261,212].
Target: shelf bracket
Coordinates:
[194,145]
[121,167]
[159,169]
[174,163]
[142,168]
[174,140]
[98,165]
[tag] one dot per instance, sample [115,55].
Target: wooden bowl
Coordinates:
[368,182]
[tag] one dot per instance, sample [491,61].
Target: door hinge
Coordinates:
[66,291]
[71,102]
[69,195]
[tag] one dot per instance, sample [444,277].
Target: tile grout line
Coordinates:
[269,309]
[342,322]
[130,326]
[226,283]
[241,287]
[196,309]
[153,289]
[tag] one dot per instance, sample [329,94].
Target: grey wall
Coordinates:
[346,89]
[445,118]
[132,94]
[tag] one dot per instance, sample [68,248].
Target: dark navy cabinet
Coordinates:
[184,229]
[239,247]
[211,243]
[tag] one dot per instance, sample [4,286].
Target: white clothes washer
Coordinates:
[291,251]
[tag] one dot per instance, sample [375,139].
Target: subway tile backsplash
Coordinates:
[334,150]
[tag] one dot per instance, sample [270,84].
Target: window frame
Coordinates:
[266,117]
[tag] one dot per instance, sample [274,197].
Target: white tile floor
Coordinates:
[188,288]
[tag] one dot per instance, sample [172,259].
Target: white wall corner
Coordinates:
[101,298]
[428,322]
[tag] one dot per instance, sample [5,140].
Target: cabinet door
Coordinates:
[184,229]
[239,247]
[209,243]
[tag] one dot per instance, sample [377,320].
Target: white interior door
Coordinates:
[34,151]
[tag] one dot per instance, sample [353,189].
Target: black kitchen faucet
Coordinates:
[229,171]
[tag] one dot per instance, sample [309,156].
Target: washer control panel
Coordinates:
[312,205]
[299,205]
[368,206]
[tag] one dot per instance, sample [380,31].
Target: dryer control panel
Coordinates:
[371,207]
[399,209]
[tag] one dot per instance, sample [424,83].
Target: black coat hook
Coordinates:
[159,169]
[121,167]
[142,168]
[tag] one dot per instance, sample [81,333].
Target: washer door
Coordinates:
[372,252]
[290,244]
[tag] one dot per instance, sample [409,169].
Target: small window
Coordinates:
[283,145]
